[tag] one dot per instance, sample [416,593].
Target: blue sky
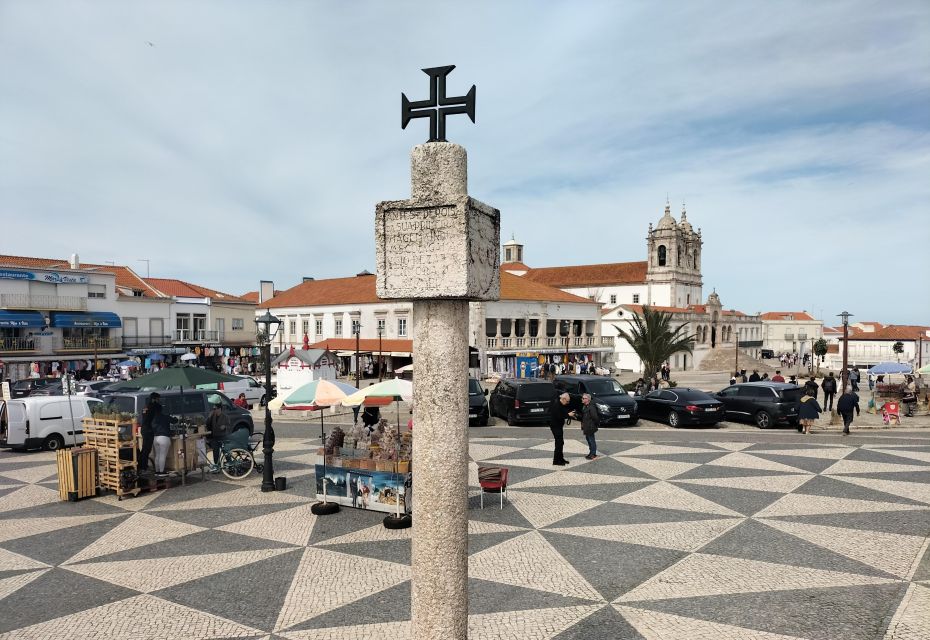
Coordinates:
[252,140]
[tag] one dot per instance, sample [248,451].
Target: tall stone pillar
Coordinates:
[440,249]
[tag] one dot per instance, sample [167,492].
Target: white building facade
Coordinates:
[790,331]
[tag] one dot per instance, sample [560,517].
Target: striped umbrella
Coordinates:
[317,394]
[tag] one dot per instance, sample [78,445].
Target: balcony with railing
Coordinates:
[802,336]
[17,345]
[198,335]
[89,344]
[43,302]
[789,336]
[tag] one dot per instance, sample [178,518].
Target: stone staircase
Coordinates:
[721,359]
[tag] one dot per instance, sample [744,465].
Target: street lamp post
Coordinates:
[845,374]
[358,333]
[380,351]
[568,335]
[269,325]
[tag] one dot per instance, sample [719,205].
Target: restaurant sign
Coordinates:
[43,276]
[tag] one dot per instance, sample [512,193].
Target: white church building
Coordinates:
[669,280]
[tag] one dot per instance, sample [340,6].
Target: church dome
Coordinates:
[667,221]
[713,300]
[684,225]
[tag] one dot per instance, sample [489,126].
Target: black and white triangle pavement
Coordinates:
[655,540]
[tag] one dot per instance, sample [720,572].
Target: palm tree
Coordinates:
[654,340]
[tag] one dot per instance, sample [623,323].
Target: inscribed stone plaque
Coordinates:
[447,250]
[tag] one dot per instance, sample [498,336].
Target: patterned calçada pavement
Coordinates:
[655,540]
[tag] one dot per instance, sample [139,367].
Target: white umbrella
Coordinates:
[189,356]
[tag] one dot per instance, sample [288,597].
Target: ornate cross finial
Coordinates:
[438,106]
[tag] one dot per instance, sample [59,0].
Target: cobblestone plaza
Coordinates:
[687,535]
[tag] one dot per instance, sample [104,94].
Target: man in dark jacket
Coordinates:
[147,429]
[829,392]
[590,421]
[754,376]
[218,427]
[558,414]
[845,406]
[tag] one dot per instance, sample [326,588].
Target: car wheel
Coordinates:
[483,421]
[244,425]
[261,401]
[54,442]
[763,420]
[673,420]
[634,422]
[511,419]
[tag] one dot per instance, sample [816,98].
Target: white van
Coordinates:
[254,392]
[43,421]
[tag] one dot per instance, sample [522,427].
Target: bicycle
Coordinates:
[237,459]
[237,455]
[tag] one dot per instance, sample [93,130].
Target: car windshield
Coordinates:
[537,391]
[474,389]
[605,387]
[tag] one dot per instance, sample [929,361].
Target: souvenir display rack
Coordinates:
[116,454]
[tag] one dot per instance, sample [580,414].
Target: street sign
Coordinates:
[68,386]
[6,390]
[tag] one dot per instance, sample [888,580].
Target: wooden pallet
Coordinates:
[104,437]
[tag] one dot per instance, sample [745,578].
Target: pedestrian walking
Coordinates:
[854,378]
[829,391]
[808,412]
[811,388]
[590,421]
[558,414]
[845,406]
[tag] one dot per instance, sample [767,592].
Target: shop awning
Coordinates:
[10,319]
[89,319]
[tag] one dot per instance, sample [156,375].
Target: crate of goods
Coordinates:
[77,473]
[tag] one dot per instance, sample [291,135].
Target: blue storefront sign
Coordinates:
[17,319]
[43,276]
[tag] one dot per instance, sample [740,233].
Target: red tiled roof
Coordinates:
[361,290]
[252,296]
[784,315]
[365,344]
[514,266]
[126,278]
[182,289]
[890,332]
[592,274]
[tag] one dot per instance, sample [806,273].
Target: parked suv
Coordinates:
[522,400]
[188,405]
[765,403]
[26,386]
[614,405]
[477,403]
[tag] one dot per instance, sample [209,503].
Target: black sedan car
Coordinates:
[681,406]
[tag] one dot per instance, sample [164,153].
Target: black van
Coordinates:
[477,404]
[613,403]
[189,404]
[765,403]
[523,400]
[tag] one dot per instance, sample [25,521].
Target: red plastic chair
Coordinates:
[493,480]
[891,413]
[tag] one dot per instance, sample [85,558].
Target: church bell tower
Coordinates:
[673,271]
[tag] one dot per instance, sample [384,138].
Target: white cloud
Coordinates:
[254,139]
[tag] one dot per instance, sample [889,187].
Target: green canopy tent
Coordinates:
[174,377]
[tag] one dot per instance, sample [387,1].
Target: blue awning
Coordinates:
[90,319]
[21,319]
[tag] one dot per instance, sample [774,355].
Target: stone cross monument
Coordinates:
[440,250]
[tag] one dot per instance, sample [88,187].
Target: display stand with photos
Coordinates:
[366,469]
